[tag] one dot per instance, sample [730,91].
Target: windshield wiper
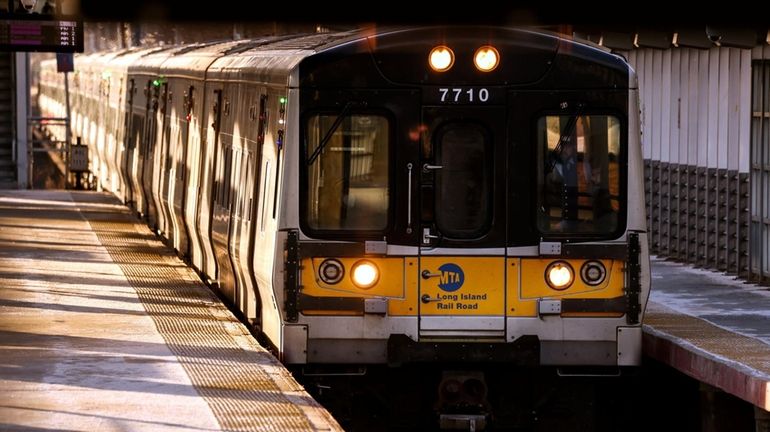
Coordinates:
[329,133]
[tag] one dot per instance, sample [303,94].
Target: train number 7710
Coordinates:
[461,95]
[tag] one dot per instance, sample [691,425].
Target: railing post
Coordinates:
[67,132]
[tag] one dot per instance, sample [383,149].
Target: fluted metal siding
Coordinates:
[759,265]
[696,129]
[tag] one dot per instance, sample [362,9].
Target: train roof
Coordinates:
[151,61]
[273,61]
[388,56]
[194,61]
[528,57]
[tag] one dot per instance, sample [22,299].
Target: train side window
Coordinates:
[579,174]
[218,181]
[226,193]
[237,180]
[247,181]
[348,178]
[224,176]
[264,192]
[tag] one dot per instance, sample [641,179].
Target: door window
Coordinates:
[464,181]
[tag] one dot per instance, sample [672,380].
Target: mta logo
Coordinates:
[452,277]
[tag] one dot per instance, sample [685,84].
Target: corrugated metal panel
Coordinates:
[665,111]
[722,118]
[655,116]
[745,114]
[696,131]
[759,253]
[645,86]
[713,107]
[703,108]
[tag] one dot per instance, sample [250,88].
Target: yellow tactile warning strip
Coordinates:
[245,386]
[732,362]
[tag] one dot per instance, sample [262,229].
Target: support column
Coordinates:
[721,411]
[22,113]
[762,419]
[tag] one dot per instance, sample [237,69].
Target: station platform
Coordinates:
[713,328]
[103,328]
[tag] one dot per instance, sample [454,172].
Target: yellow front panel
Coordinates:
[397,282]
[533,285]
[517,306]
[389,284]
[406,305]
[463,285]
[526,284]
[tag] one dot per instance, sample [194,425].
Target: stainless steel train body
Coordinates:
[388,196]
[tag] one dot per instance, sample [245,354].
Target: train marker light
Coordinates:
[331,271]
[559,275]
[486,58]
[593,272]
[365,274]
[441,58]
[282,111]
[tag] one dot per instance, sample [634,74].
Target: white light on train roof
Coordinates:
[486,58]
[441,58]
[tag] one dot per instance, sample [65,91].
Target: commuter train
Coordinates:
[464,194]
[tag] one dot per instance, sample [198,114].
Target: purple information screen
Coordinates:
[41,35]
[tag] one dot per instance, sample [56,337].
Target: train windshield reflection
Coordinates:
[579,182]
[348,180]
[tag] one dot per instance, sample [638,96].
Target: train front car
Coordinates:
[465,195]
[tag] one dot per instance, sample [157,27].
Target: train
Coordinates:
[388,196]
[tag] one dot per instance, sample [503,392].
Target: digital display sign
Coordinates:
[44,35]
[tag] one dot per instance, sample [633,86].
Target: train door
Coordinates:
[192,183]
[240,228]
[124,153]
[462,222]
[207,191]
[135,139]
[167,137]
[177,185]
[249,197]
[224,195]
[148,159]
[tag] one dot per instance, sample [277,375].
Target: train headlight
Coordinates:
[365,274]
[593,273]
[559,275]
[486,58]
[331,271]
[441,58]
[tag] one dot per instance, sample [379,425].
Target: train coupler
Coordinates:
[462,401]
[467,422]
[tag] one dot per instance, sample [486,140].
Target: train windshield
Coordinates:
[347,180]
[579,178]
